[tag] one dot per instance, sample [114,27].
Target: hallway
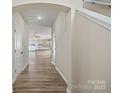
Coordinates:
[68,48]
[40,76]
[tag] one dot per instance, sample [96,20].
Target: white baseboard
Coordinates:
[16,75]
[61,74]
[52,62]
[68,91]
[13,80]
[24,67]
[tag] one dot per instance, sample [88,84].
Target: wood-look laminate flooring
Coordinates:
[40,76]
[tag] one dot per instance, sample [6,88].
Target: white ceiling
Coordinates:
[48,16]
[48,12]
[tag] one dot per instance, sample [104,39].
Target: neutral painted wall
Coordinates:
[60,28]
[21,44]
[90,55]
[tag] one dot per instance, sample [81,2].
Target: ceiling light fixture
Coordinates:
[39,18]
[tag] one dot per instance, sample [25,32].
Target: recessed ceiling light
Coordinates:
[39,18]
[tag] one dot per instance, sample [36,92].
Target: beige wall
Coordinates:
[60,28]
[90,55]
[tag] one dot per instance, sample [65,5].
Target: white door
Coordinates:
[18,49]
